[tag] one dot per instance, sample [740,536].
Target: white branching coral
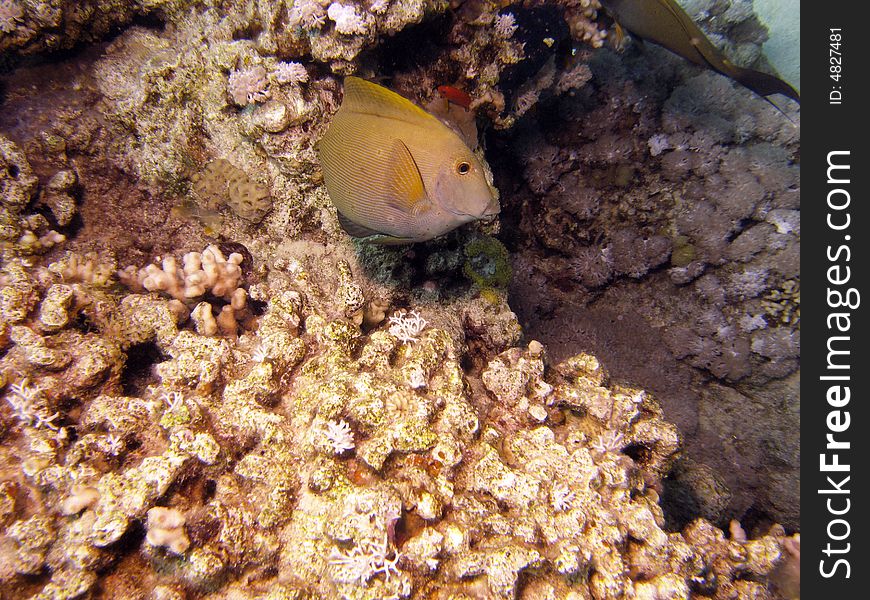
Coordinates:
[90,268]
[407,325]
[339,435]
[225,323]
[505,25]
[28,406]
[364,561]
[307,14]
[561,497]
[290,72]
[609,441]
[248,85]
[174,401]
[346,19]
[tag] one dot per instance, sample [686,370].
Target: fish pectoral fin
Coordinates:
[408,191]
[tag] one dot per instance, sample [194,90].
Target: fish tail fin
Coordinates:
[776,105]
[764,84]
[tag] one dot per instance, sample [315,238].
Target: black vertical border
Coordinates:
[827,127]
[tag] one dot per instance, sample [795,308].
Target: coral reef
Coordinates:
[40,26]
[209,391]
[664,175]
[327,464]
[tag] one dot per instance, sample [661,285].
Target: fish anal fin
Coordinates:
[364,234]
[354,229]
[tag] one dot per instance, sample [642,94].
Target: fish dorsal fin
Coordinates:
[409,192]
[364,97]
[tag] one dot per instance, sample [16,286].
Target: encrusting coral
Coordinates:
[552,471]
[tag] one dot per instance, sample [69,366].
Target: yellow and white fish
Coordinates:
[397,174]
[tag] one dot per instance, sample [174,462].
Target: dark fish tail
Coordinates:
[667,24]
[764,84]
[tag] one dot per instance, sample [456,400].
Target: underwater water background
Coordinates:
[219,382]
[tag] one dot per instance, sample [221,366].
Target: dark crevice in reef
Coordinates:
[138,370]
[412,48]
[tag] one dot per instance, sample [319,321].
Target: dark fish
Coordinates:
[665,23]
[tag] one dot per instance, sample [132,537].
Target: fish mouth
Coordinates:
[491,210]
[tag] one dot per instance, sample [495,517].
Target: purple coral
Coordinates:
[290,72]
[249,85]
[634,255]
[591,266]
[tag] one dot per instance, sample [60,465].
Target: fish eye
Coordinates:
[463,168]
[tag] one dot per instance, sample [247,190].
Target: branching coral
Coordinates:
[526,488]
[407,326]
[201,272]
[365,561]
[28,405]
[339,435]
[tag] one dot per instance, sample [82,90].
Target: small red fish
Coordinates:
[454,95]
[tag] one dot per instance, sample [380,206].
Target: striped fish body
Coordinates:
[397,174]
